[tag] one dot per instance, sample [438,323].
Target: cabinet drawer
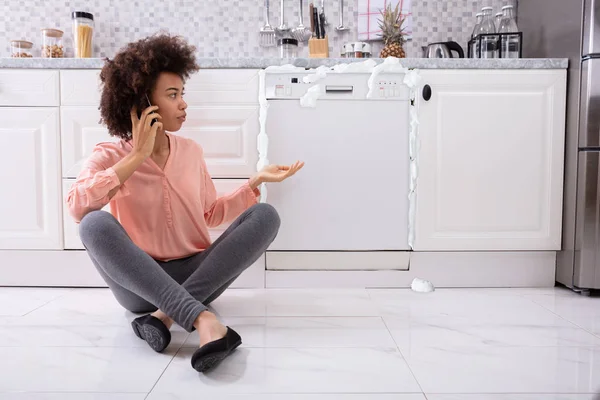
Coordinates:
[35,88]
[71,229]
[208,86]
[80,87]
[222,86]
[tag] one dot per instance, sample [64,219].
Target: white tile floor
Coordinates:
[472,344]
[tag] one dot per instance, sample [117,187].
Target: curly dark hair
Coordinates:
[133,73]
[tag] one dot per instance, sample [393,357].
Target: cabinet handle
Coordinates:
[427,92]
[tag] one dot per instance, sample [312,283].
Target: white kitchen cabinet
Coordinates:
[29,88]
[222,117]
[207,86]
[71,229]
[222,86]
[30,216]
[80,132]
[80,87]
[490,166]
[227,135]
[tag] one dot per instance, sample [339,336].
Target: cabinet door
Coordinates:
[228,136]
[80,132]
[30,216]
[490,173]
[70,228]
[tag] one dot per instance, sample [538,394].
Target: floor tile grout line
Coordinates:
[303,347]
[43,305]
[403,358]
[564,318]
[163,372]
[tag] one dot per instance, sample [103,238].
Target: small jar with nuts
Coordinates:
[21,49]
[52,46]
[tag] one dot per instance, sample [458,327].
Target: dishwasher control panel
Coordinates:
[351,86]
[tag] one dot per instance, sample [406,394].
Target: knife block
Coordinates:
[318,48]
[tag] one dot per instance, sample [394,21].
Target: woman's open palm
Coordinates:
[278,173]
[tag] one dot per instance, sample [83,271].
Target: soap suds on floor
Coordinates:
[422,286]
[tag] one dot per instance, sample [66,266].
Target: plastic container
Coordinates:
[349,49]
[21,49]
[52,46]
[288,47]
[367,50]
[83,32]
[358,50]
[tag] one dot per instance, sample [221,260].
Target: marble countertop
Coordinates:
[251,63]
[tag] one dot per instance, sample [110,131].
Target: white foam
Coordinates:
[262,138]
[422,286]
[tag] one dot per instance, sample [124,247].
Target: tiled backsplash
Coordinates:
[224,28]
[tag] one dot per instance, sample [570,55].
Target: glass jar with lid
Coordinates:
[52,46]
[288,47]
[83,30]
[21,49]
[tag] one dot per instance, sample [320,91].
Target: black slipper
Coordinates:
[153,331]
[209,355]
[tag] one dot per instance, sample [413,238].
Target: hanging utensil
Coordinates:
[301,33]
[341,26]
[282,29]
[267,33]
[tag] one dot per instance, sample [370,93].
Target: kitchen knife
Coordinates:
[316,19]
[322,24]
[312,20]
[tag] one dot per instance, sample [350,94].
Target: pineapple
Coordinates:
[392,32]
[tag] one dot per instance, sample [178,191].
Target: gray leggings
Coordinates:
[180,288]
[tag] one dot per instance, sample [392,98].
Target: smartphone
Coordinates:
[150,105]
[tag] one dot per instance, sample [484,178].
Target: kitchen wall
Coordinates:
[224,28]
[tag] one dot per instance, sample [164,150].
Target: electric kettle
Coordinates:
[443,50]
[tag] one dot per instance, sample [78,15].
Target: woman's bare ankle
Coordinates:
[204,318]
[209,327]
[164,318]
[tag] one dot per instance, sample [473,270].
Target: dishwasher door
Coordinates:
[352,193]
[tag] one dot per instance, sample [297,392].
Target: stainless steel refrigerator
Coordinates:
[571,28]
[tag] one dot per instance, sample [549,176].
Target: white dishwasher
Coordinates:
[351,196]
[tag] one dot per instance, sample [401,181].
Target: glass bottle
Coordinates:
[474,46]
[489,44]
[510,45]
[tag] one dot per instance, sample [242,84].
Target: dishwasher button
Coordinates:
[288,90]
